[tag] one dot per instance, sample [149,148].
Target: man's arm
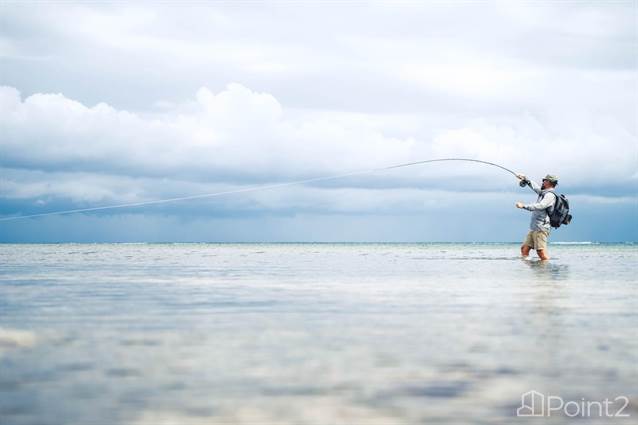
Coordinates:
[535,187]
[546,202]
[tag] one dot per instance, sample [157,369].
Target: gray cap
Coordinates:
[552,178]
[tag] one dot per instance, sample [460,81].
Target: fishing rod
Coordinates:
[257,188]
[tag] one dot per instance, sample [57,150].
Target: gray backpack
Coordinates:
[559,214]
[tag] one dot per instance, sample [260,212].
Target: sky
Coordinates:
[109,103]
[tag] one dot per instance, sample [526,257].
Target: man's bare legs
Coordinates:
[542,254]
[525,249]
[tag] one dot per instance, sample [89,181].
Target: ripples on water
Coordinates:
[309,333]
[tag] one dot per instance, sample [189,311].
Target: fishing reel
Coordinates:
[524,182]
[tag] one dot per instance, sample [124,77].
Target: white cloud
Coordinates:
[235,135]
[239,136]
[322,90]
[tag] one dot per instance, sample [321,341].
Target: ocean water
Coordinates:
[313,333]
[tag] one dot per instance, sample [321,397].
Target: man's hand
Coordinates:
[519,205]
[523,181]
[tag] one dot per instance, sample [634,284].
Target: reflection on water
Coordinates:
[310,333]
[548,269]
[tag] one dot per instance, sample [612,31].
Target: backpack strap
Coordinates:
[555,200]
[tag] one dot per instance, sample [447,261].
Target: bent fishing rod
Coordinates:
[257,188]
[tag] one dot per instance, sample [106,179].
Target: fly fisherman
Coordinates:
[539,225]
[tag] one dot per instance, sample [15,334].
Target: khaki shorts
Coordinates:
[536,239]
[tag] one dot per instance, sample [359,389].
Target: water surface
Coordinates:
[310,333]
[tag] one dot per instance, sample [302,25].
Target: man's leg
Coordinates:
[542,254]
[541,244]
[528,243]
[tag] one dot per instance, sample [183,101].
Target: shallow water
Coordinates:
[311,333]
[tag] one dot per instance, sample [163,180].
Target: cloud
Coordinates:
[119,103]
[236,134]
[327,56]
[239,136]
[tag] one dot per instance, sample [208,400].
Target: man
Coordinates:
[539,225]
